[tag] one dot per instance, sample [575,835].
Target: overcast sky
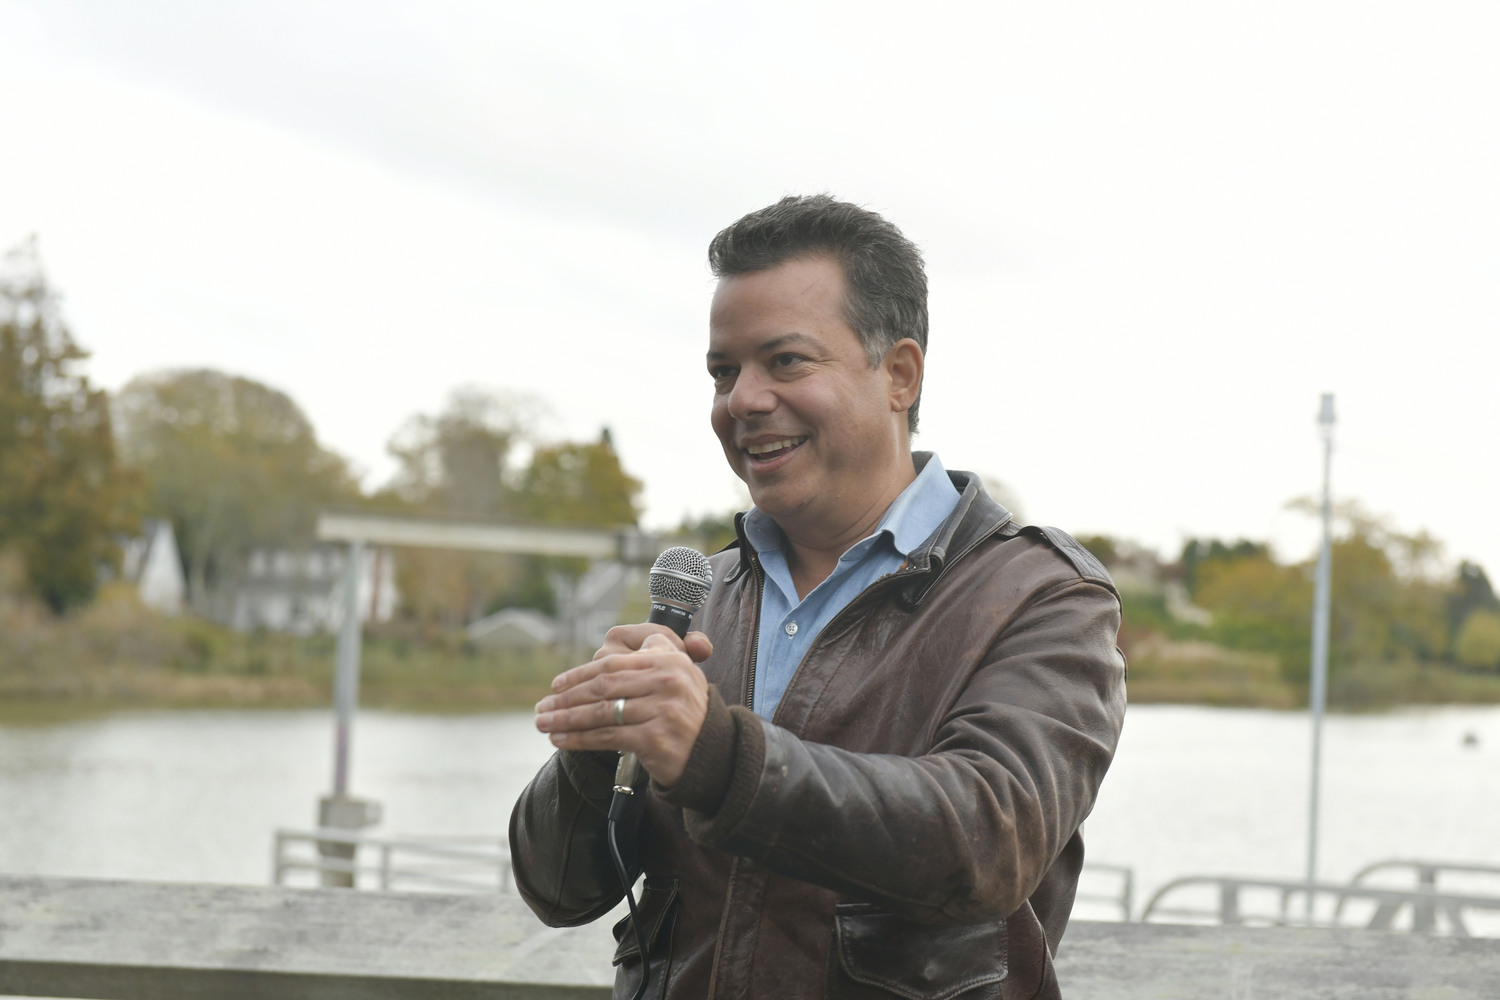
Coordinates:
[1155,231]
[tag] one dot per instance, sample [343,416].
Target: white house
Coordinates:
[514,628]
[153,566]
[303,591]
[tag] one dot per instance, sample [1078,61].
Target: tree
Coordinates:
[233,463]
[1197,551]
[1257,604]
[571,483]
[63,496]
[1478,642]
[1471,592]
[1388,601]
[579,484]
[458,461]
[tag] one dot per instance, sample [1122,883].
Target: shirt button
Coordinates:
[791,628]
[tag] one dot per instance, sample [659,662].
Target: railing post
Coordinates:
[1229,902]
[1424,911]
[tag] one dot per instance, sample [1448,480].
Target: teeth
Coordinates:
[770,446]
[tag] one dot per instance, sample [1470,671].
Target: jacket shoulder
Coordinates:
[1084,563]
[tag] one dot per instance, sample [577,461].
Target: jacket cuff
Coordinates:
[723,771]
[705,776]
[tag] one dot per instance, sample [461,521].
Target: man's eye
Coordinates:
[786,360]
[717,372]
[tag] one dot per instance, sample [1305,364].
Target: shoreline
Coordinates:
[229,693]
[117,656]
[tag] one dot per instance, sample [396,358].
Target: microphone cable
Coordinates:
[678,586]
[617,809]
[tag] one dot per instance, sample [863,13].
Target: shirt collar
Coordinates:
[908,522]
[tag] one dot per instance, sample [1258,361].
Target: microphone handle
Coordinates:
[677,618]
[671,614]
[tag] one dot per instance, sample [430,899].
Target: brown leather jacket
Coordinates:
[908,824]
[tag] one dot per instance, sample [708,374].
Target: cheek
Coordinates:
[719,419]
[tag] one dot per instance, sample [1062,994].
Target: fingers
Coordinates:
[629,638]
[616,677]
[611,663]
[698,646]
[665,701]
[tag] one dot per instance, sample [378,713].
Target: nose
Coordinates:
[752,395]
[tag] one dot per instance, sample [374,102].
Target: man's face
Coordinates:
[815,432]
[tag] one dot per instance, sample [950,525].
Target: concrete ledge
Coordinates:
[1107,961]
[146,940]
[172,941]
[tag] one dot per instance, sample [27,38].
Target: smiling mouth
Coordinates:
[767,451]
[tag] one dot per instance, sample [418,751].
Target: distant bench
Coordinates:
[174,941]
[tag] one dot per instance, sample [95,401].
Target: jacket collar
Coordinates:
[975,518]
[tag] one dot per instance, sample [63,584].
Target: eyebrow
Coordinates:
[772,345]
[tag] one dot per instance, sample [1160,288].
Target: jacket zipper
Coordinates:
[760,588]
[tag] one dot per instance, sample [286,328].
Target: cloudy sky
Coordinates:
[1155,231]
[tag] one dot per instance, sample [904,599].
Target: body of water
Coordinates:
[196,795]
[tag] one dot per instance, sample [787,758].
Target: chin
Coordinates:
[777,503]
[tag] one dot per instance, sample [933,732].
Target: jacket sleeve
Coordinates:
[965,832]
[559,853]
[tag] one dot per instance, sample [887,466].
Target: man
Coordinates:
[870,762]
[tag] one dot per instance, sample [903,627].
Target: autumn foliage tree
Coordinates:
[232,462]
[465,462]
[1390,602]
[457,463]
[63,497]
[575,483]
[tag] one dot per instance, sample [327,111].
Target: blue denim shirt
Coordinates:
[789,626]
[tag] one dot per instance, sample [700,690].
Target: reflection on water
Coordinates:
[195,795]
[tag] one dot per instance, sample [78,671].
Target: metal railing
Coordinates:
[1235,899]
[1121,895]
[479,863]
[1424,876]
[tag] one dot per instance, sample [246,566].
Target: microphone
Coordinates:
[678,585]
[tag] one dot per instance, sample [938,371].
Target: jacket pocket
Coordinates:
[658,914]
[881,955]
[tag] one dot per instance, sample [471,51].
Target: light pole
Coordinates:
[1318,688]
[340,811]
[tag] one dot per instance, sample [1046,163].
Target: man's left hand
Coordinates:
[666,701]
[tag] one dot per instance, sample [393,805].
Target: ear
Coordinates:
[903,369]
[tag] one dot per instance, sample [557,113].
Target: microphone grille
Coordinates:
[681,575]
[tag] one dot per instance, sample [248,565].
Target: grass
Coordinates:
[1200,673]
[117,654]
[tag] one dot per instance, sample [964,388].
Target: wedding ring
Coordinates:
[619,711]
